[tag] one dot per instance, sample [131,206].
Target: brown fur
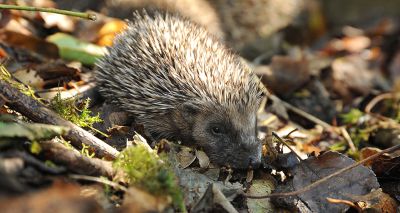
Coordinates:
[182,84]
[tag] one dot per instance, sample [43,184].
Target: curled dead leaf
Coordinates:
[204,161]
[185,157]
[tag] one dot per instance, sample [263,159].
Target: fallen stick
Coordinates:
[74,161]
[29,159]
[37,112]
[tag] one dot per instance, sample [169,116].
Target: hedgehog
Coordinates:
[182,84]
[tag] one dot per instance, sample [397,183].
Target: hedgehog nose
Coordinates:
[254,162]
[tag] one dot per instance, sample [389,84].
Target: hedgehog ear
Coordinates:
[189,109]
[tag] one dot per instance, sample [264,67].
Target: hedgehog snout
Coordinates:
[254,162]
[254,154]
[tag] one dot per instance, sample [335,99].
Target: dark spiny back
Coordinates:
[163,61]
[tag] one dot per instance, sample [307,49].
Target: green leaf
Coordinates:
[31,131]
[71,48]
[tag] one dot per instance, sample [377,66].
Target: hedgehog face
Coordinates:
[228,137]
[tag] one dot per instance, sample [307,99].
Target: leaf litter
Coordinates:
[347,81]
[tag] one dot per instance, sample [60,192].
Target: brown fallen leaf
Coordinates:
[310,148]
[388,165]
[352,76]
[204,161]
[375,201]
[29,77]
[358,181]
[56,72]
[29,42]
[185,157]
[52,75]
[284,75]
[261,187]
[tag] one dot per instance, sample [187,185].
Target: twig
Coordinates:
[75,161]
[89,16]
[220,198]
[348,139]
[99,180]
[322,180]
[287,145]
[3,100]
[37,112]
[301,112]
[376,100]
[294,130]
[346,202]
[29,159]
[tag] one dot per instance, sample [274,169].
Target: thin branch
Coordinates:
[37,112]
[301,112]
[220,198]
[89,16]
[346,202]
[294,130]
[31,160]
[322,180]
[348,139]
[378,99]
[75,161]
[99,180]
[287,145]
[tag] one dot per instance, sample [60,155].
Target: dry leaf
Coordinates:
[185,157]
[204,161]
[358,181]
[258,188]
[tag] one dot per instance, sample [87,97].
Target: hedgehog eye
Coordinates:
[216,130]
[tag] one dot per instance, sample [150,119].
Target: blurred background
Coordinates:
[332,69]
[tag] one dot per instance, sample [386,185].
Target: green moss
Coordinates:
[27,90]
[360,134]
[67,144]
[358,130]
[338,147]
[352,117]
[392,109]
[81,116]
[50,164]
[35,147]
[150,172]
[85,151]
